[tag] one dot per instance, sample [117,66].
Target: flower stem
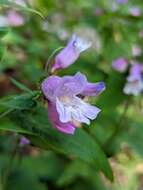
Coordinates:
[48,64]
[118,129]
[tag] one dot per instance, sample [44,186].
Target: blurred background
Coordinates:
[30,31]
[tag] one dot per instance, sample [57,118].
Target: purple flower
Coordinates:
[122,1]
[24,141]
[134,83]
[70,53]
[65,107]
[120,64]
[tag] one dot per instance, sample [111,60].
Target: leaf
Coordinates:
[46,165]
[21,86]
[7,125]
[73,170]
[77,169]
[80,145]
[87,150]
[22,179]
[23,101]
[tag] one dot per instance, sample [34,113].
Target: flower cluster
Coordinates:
[134,84]
[67,107]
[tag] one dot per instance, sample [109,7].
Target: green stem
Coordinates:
[48,65]
[6,112]
[118,128]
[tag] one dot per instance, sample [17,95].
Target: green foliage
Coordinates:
[45,137]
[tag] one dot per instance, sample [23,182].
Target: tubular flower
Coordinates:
[70,53]
[134,83]
[120,64]
[65,107]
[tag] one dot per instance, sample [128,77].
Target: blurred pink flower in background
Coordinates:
[14,18]
[136,50]
[120,64]
[135,11]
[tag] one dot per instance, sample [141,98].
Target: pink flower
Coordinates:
[70,53]
[65,107]
[136,50]
[135,11]
[14,18]
[120,64]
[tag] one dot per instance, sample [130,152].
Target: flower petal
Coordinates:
[49,86]
[77,115]
[90,111]
[81,45]
[63,111]
[68,128]
[71,85]
[93,89]
[82,111]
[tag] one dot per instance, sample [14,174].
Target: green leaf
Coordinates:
[24,101]
[80,145]
[20,102]
[7,125]
[22,179]
[77,169]
[21,86]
